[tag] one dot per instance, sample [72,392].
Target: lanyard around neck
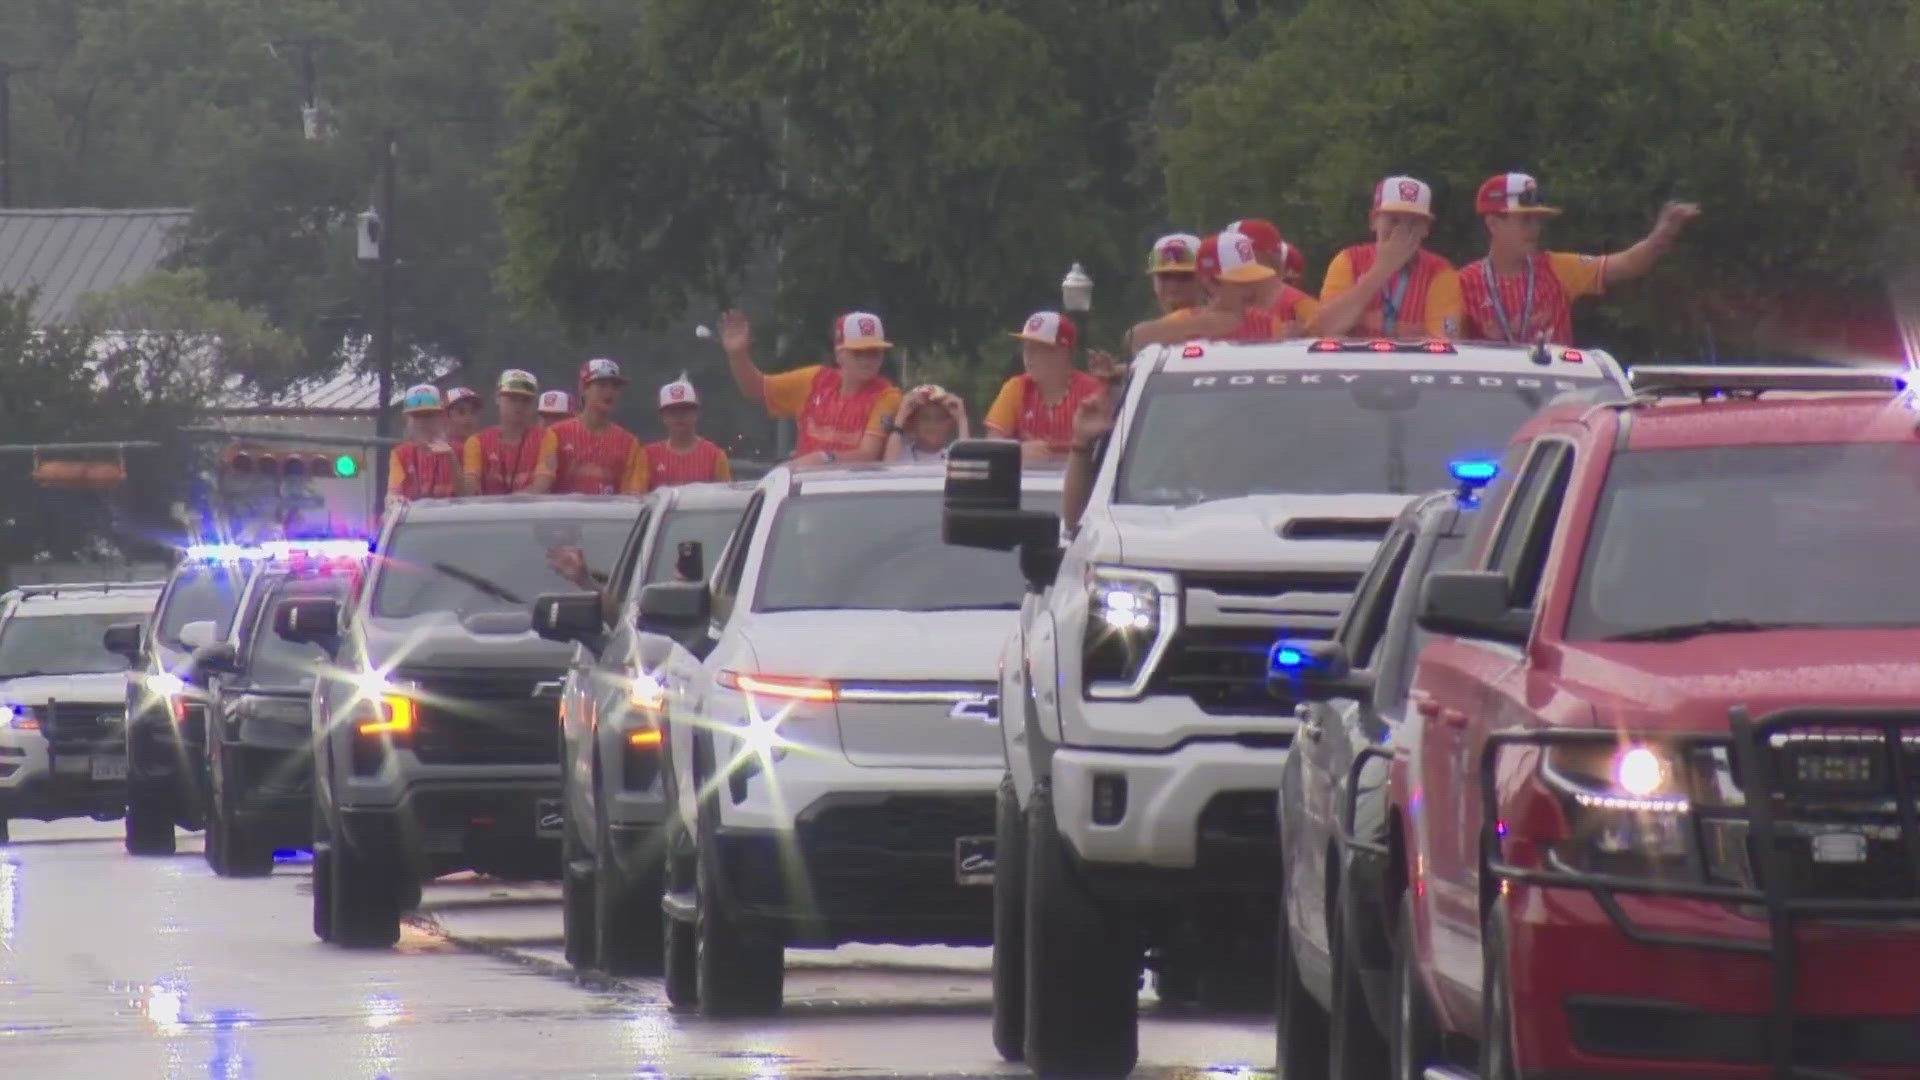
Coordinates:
[1390,300]
[1500,310]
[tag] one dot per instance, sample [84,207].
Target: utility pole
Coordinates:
[7,72]
[383,316]
[312,121]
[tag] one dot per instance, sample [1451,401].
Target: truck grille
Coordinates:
[484,719]
[1223,669]
[892,857]
[1230,620]
[80,723]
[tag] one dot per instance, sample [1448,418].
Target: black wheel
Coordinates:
[1415,1038]
[6,834]
[576,900]
[1496,1000]
[230,850]
[366,899]
[1300,1028]
[1358,1049]
[149,821]
[1082,961]
[626,903]
[1009,925]
[740,973]
[680,944]
[322,891]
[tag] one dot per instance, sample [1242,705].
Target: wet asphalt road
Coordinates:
[112,966]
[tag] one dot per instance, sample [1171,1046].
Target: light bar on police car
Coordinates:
[1708,379]
[316,549]
[217,553]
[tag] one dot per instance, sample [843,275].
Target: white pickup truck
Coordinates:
[1237,500]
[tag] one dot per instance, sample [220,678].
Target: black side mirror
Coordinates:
[123,639]
[1040,564]
[309,620]
[1473,604]
[569,617]
[673,607]
[219,658]
[981,504]
[1305,670]
[690,561]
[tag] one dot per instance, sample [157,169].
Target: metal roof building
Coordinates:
[68,254]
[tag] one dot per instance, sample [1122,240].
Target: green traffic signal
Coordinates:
[344,466]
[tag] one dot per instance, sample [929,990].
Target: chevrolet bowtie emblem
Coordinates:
[983,707]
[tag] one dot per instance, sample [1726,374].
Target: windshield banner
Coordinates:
[1347,377]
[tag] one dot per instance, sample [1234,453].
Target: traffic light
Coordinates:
[77,475]
[273,464]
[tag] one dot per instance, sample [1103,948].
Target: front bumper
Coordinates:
[1799,974]
[437,826]
[1206,807]
[68,778]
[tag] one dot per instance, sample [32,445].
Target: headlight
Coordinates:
[1623,809]
[646,692]
[1130,617]
[19,717]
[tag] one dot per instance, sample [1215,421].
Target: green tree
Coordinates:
[174,307]
[1791,122]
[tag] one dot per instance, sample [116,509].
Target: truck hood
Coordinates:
[1249,533]
[961,646]
[93,688]
[443,639]
[1690,685]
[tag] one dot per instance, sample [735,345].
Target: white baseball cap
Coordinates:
[555,403]
[678,392]
[860,330]
[1231,257]
[1403,195]
[1048,328]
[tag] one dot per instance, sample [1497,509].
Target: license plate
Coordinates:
[109,768]
[973,860]
[547,818]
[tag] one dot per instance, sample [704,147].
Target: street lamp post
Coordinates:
[1076,298]
[383,316]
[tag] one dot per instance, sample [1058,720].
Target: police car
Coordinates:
[62,708]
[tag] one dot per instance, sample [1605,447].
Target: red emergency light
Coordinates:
[1572,356]
[1381,346]
[1326,345]
[1192,351]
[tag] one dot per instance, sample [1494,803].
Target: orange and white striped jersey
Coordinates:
[604,462]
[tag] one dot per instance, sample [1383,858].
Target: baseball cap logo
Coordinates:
[1409,191]
[866,327]
[1036,324]
[676,392]
[1243,248]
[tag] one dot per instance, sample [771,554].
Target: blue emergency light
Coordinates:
[1287,658]
[1472,474]
[286,550]
[222,553]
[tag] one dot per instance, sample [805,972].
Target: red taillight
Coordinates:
[1572,356]
[1327,345]
[1381,346]
[1438,347]
[1192,351]
[779,686]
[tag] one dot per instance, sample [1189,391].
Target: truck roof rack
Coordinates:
[1702,380]
[70,587]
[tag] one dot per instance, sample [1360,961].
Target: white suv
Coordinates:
[831,731]
[63,700]
[1236,502]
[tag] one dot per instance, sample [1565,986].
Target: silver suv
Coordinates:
[62,700]
[1237,501]
[832,748]
[437,745]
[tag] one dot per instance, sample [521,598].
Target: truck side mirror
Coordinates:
[1473,604]
[569,617]
[199,634]
[672,608]
[309,620]
[1307,670]
[690,561]
[123,639]
[981,504]
[219,658]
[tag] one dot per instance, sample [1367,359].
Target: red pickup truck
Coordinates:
[1654,813]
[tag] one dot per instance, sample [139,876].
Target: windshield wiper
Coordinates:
[1681,631]
[478,582]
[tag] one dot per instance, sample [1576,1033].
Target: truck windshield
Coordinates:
[710,527]
[198,595]
[476,567]
[1200,437]
[274,663]
[881,552]
[1751,537]
[59,644]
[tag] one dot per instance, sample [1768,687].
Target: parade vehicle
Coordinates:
[259,766]
[62,703]
[831,733]
[1239,496]
[1653,810]
[436,741]
[613,799]
[1335,932]
[166,716]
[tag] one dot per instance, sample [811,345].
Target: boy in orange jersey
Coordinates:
[554,407]
[1292,309]
[1035,408]
[840,410]
[683,457]
[592,455]
[505,459]
[1392,287]
[423,467]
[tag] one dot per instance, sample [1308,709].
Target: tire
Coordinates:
[1082,961]
[1415,1038]
[322,881]
[230,851]
[366,899]
[576,901]
[680,944]
[628,933]
[1357,1048]
[739,973]
[6,834]
[1497,1061]
[1009,925]
[149,822]
[1300,1024]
